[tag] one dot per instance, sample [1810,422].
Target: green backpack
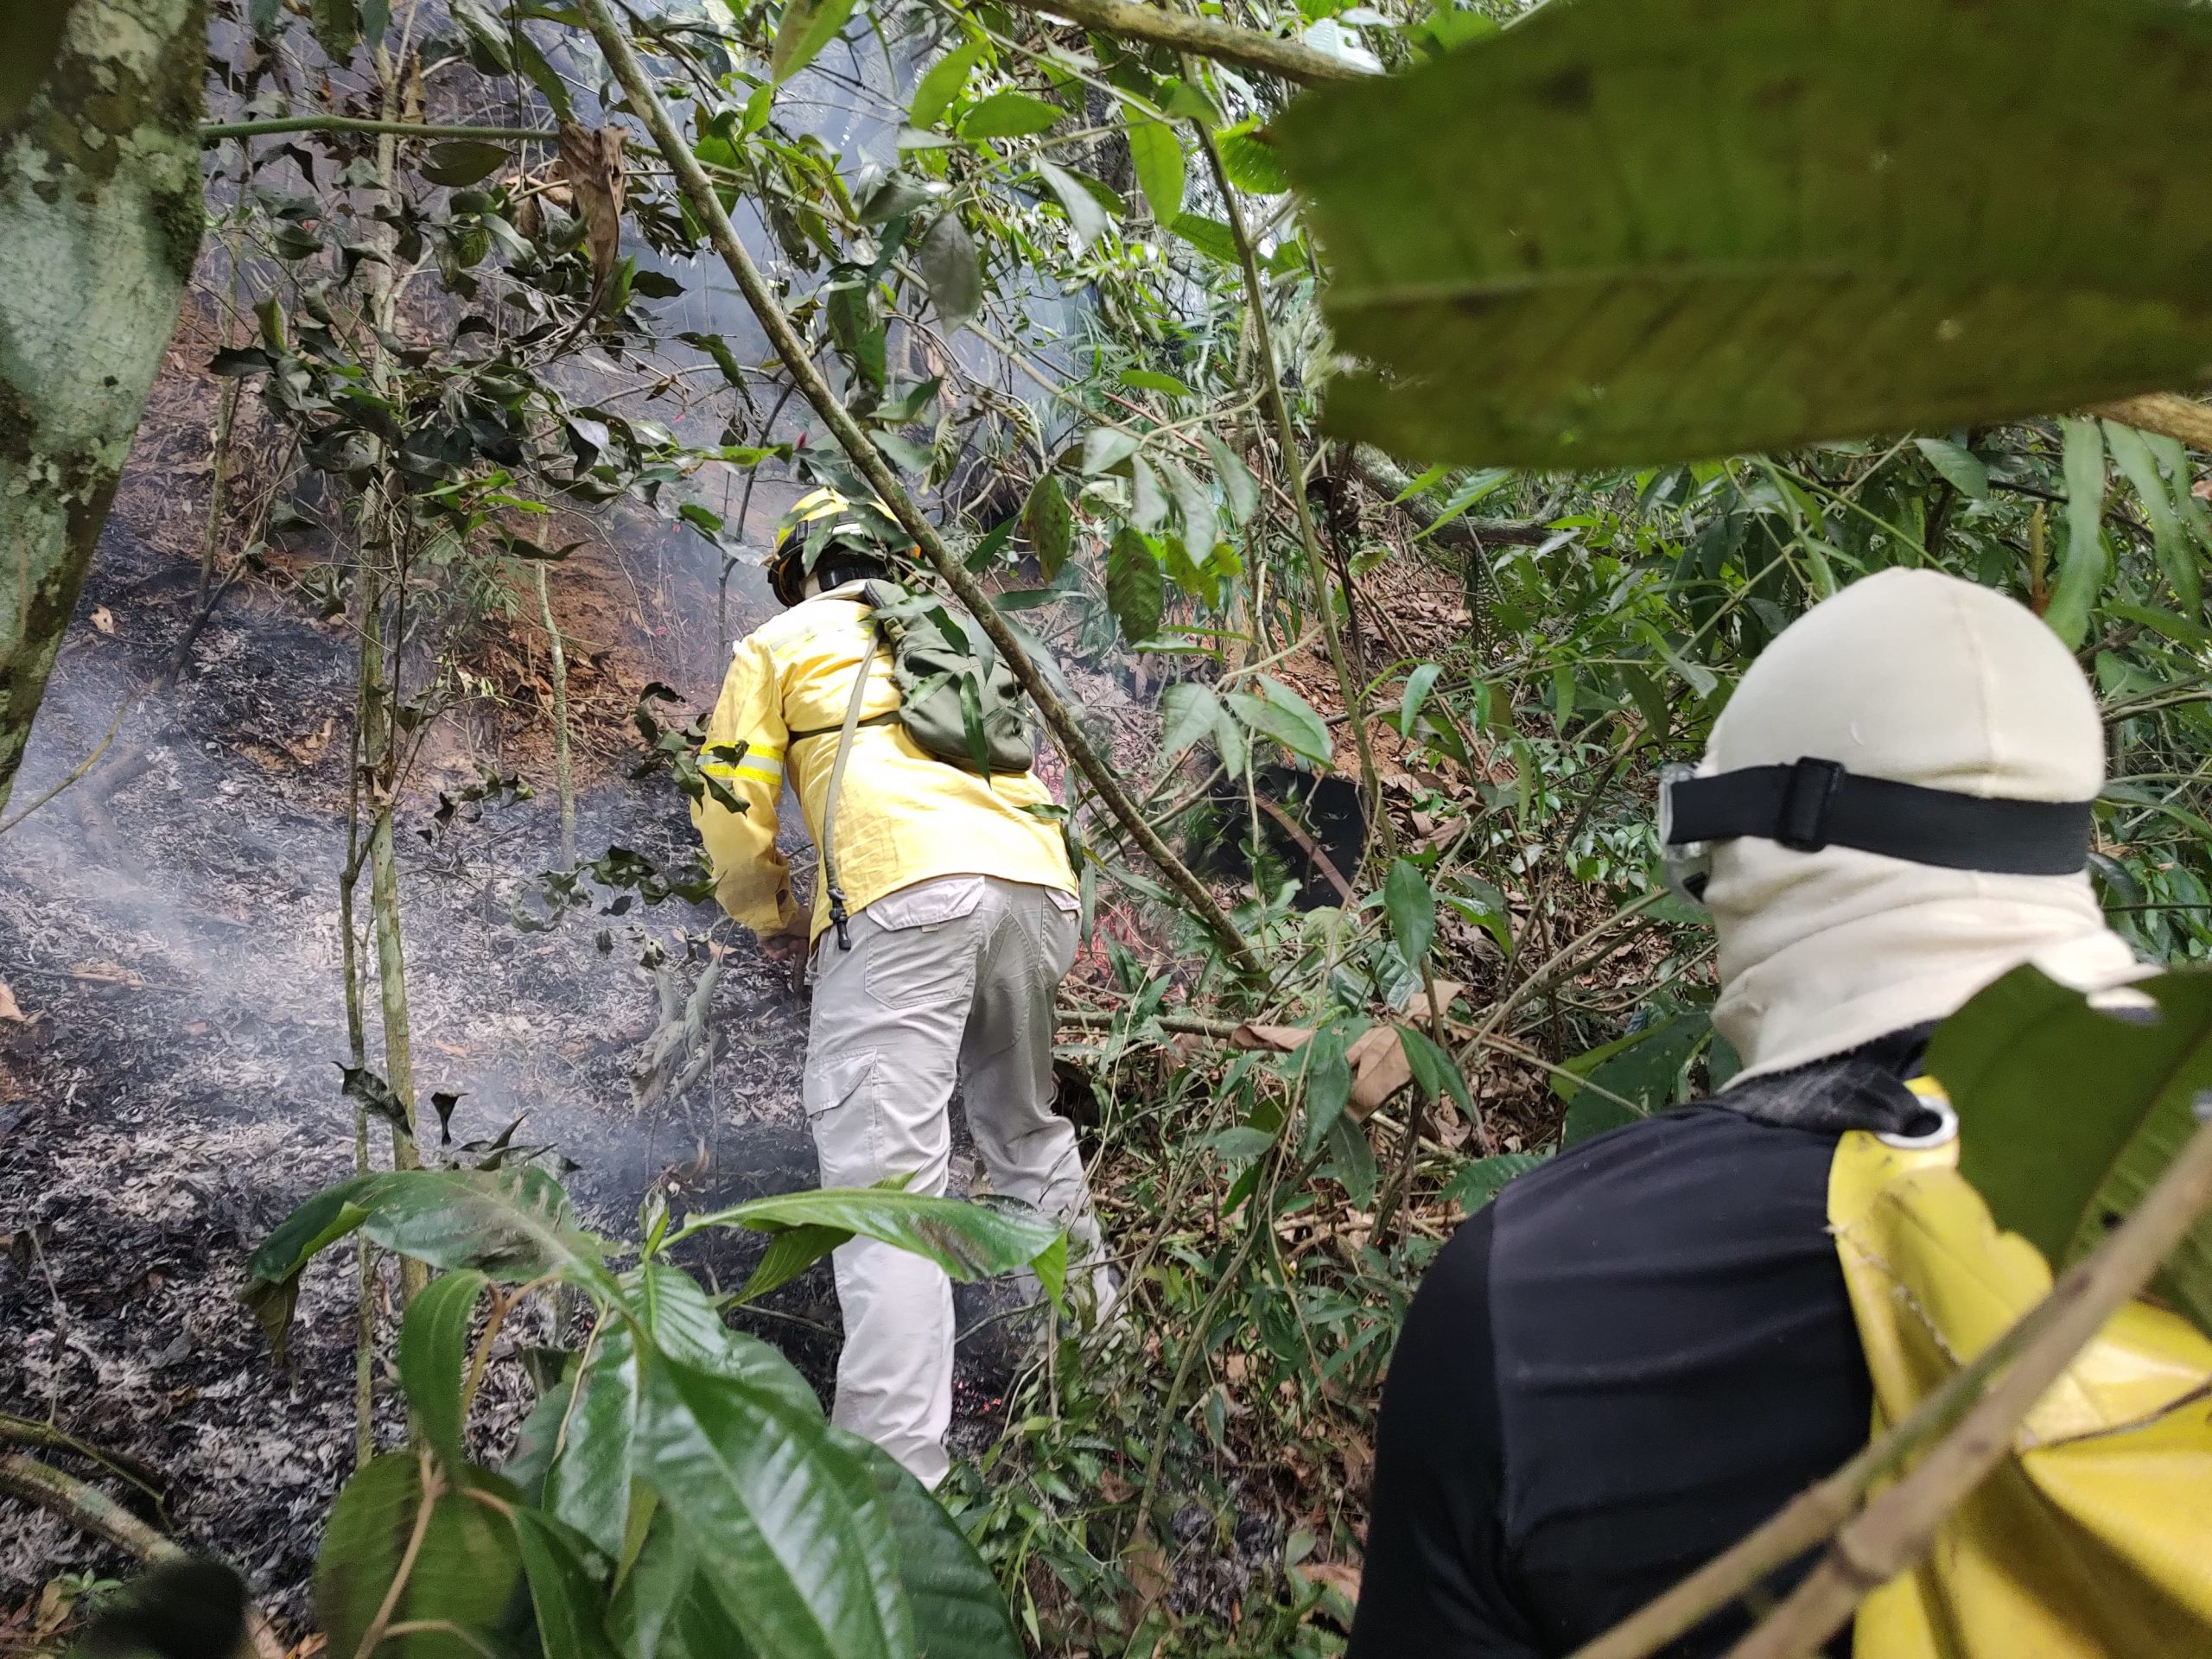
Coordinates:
[957,699]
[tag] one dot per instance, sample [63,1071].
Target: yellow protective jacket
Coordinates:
[2094,1539]
[902,816]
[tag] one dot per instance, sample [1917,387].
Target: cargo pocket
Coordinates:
[922,948]
[840,1099]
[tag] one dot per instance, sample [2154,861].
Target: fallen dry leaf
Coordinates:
[1281,1039]
[1379,1069]
[8,1008]
[591,161]
[102,618]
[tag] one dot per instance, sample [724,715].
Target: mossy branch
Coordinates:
[645,100]
[1202,37]
[2166,413]
[215,132]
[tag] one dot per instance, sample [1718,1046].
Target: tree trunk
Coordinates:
[100,194]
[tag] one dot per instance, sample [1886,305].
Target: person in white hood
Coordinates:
[1644,1347]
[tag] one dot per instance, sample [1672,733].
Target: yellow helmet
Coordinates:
[824,519]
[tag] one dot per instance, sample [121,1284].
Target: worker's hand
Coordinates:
[788,946]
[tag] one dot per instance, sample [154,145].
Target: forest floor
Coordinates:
[168,1066]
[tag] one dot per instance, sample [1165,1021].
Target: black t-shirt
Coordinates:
[1639,1352]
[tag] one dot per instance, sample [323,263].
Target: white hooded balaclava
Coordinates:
[1924,679]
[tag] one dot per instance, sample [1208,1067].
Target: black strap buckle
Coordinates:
[1801,824]
[837,918]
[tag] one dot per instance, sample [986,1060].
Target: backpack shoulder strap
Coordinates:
[837,915]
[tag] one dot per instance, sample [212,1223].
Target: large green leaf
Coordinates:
[515,1224]
[1135,591]
[564,1589]
[1008,115]
[969,1240]
[1412,909]
[1047,520]
[1157,154]
[1637,230]
[1287,717]
[2067,1114]
[433,1349]
[805,27]
[959,1612]
[787,1531]
[684,1325]
[588,1484]
[947,77]
[467,1570]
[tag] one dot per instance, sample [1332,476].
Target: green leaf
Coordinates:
[1483,1179]
[1419,684]
[1194,506]
[2175,462]
[663,1578]
[1008,115]
[1048,524]
[1189,712]
[946,80]
[1248,156]
[1412,910]
[1084,213]
[336,25]
[528,59]
[433,1349]
[1153,380]
[1157,154]
[1105,447]
[2176,556]
[893,196]
[951,268]
[1287,717]
[1237,484]
[1147,503]
[1958,464]
[1665,230]
[588,1484]
[805,27]
[463,161]
[686,1326]
[2071,1114]
[959,1612]
[272,1288]
[1351,1159]
[1211,237]
[565,1591]
[1593,1113]
[969,1240]
[1436,1074]
[787,1525]
[465,1572]
[1328,1073]
[1134,591]
[2083,572]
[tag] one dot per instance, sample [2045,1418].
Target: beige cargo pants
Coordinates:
[949,981]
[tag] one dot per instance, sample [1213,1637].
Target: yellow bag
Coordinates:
[2095,1538]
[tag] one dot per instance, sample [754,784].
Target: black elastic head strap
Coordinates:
[1814,804]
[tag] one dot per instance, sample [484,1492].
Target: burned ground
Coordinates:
[170,936]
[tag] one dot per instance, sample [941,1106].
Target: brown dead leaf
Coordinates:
[1281,1039]
[591,161]
[103,972]
[102,618]
[10,1010]
[1379,1069]
[1146,1564]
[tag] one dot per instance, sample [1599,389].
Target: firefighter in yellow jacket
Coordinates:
[963,921]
